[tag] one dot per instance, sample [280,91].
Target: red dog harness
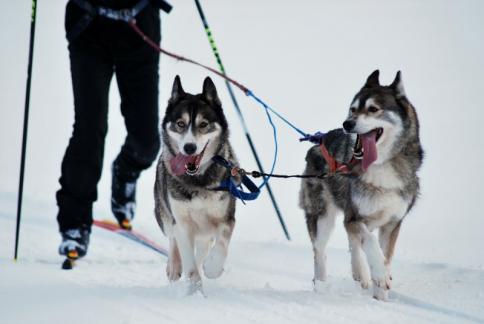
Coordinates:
[333,164]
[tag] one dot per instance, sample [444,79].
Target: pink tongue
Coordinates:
[368,142]
[179,161]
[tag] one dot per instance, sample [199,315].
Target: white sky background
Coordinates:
[307,59]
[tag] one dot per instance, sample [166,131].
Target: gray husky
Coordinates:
[382,188]
[197,220]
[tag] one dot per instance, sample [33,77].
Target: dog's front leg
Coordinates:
[214,263]
[359,266]
[202,247]
[173,266]
[374,255]
[388,235]
[185,240]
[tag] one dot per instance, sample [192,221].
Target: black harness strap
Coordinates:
[124,14]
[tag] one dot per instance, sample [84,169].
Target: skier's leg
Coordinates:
[91,71]
[137,78]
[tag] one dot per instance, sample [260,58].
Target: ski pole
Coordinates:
[239,113]
[26,122]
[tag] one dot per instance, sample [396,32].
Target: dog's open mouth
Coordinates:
[365,147]
[186,164]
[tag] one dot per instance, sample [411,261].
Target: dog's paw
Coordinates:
[384,282]
[320,286]
[380,293]
[173,270]
[194,282]
[213,266]
[363,280]
[381,287]
[365,284]
[194,287]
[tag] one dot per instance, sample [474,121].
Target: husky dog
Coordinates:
[383,186]
[197,219]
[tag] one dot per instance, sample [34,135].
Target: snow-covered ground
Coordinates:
[265,282]
[307,59]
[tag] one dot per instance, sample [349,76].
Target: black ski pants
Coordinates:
[105,48]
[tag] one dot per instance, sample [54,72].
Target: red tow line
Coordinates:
[149,41]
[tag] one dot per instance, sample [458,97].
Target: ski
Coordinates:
[111,226]
[132,235]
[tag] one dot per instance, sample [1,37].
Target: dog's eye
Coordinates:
[180,124]
[353,110]
[373,109]
[203,124]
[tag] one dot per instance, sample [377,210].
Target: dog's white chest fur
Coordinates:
[382,200]
[203,214]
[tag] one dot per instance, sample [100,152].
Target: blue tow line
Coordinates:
[268,110]
[237,190]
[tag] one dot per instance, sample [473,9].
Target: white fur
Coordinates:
[325,226]
[359,264]
[188,138]
[211,139]
[173,266]
[185,241]
[355,104]
[203,244]
[366,123]
[214,263]
[195,230]
[382,176]
[371,102]
[381,208]
[376,261]
[174,136]
[198,211]
[375,257]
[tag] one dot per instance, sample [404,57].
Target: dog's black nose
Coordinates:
[348,125]
[190,148]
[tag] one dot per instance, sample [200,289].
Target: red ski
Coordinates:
[132,235]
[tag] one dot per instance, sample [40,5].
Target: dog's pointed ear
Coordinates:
[177,90]
[373,80]
[397,85]
[210,92]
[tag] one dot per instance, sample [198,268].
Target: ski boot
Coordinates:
[123,197]
[74,245]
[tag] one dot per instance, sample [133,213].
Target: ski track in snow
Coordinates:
[123,282]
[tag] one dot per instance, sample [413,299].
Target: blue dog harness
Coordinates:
[228,184]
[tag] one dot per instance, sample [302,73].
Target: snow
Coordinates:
[307,60]
[123,282]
